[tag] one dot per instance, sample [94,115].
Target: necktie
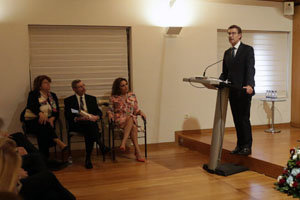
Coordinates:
[81,104]
[232,52]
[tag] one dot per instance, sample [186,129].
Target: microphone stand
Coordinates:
[210,66]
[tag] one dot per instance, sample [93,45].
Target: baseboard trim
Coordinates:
[264,126]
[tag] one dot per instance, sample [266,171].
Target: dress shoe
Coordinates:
[88,164]
[236,150]
[245,151]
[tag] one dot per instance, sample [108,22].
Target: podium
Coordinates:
[214,165]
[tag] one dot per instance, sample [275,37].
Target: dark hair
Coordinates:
[116,86]
[237,27]
[38,81]
[75,82]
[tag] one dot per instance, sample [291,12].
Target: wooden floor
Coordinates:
[268,150]
[172,172]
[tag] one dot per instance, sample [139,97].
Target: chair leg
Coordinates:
[113,144]
[109,139]
[103,143]
[145,140]
[145,146]
[70,152]
[103,140]
[97,149]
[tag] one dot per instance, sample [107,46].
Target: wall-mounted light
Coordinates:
[171,3]
[173,31]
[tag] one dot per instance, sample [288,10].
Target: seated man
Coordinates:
[85,124]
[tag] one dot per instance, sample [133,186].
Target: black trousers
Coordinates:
[240,103]
[45,134]
[90,131]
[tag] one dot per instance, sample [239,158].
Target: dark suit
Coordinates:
[89,129]
[240,71]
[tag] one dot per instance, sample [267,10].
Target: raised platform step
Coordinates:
[270,152]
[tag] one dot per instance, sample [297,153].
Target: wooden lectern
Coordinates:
[214,165]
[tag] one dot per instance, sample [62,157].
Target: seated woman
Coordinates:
[44,105]
[123,111]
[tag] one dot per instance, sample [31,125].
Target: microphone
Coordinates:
[210,66]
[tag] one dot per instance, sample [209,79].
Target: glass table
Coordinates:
[272,129]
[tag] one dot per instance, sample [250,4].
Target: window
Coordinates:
[271,58]
[96,55]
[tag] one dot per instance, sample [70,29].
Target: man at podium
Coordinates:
[238,68]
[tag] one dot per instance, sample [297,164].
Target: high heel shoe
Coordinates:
[122,149]
[139,159]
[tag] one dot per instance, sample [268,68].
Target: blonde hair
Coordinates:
[10,164]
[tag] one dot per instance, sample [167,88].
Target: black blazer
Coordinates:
[71,102]
[239,70]
[34,105]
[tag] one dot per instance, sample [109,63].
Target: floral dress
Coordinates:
[122,108]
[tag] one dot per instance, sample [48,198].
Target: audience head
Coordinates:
[120,87]
[10,164]
[42,82]
[78,87]
[9,196]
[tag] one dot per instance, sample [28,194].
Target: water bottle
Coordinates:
[268,94]
[275,94]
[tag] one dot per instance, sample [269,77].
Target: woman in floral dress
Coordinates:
[123,111]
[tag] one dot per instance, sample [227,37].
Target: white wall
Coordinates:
[158,63]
